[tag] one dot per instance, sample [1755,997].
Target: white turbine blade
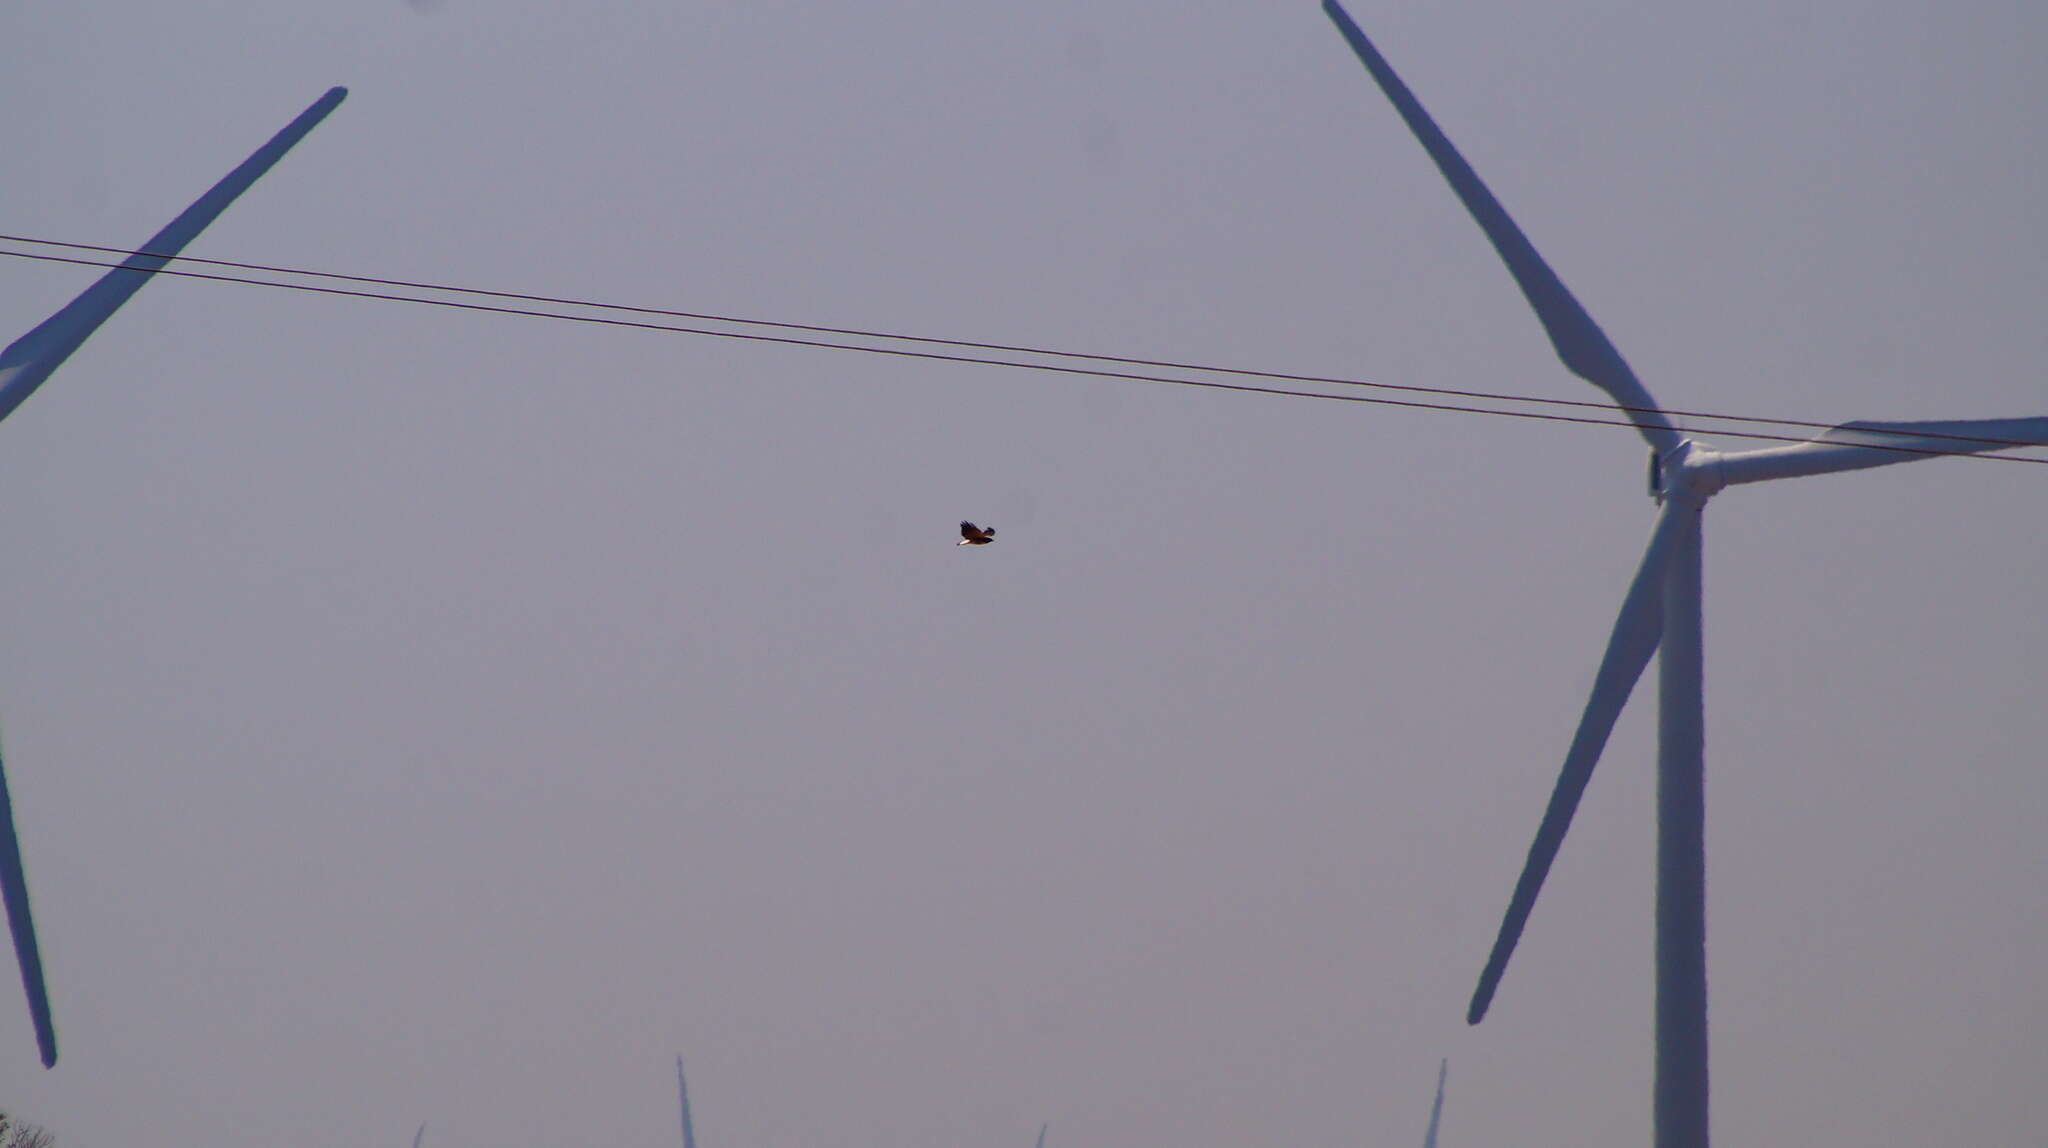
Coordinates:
[1584,348]
[14,885]
[23,366]
[1041,1134]
[29,360]
[683,1089]
[1436,1110]
[419,1136]
[1637,631]
[1857,445]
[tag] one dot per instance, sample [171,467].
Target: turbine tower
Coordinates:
[1661,610]
[23,366]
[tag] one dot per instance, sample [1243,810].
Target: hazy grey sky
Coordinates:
[416,715]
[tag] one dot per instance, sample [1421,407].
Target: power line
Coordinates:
[792,340]
[1170,364]
[1093,372]
[856,332]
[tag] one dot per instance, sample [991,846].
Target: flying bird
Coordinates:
[972,535]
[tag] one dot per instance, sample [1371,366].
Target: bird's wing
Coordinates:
[969,530]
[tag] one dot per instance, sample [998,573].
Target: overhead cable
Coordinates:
[964,344]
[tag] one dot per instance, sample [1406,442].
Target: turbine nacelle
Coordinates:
[1689,472]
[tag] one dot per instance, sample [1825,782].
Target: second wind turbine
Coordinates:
[1660,611]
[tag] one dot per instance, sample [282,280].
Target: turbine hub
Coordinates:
[1687,471]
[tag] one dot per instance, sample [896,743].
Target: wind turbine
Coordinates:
[1661,609]
[23,366]
[1041,1134]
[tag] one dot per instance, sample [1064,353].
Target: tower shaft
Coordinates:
[1680,1108]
